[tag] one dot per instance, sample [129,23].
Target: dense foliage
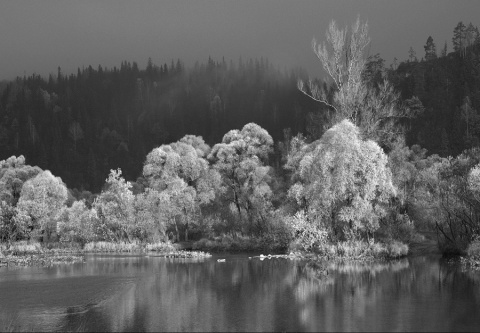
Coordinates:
[342,182]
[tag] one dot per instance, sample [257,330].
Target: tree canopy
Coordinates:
[343,181]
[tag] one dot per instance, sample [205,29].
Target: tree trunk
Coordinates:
[176,230]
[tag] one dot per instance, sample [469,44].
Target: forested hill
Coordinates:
[448,86]
[81,126]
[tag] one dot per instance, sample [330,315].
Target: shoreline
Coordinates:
[38,255]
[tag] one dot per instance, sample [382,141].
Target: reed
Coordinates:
[112,247]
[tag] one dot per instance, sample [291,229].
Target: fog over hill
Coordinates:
[39,36]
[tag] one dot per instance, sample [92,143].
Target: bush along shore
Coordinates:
[24,253]
[32,254]
[347,250]
[472,258]
[44,260]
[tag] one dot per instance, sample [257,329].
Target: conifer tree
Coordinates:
[430,49]
[459,37]
[412,55]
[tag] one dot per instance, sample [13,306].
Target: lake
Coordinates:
[140,293]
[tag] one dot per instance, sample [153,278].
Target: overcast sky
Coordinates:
[38,36]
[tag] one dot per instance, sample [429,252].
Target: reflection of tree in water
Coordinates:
[400,295]
[372,268]
[173,295]
[136,293]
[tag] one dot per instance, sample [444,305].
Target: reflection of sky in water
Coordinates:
[118,293]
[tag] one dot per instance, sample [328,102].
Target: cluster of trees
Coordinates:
[383,193]
[229,188]
[440,193]
[446,85]
[185,185]
[353,176]
[80,126]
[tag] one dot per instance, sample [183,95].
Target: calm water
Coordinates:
[138,293]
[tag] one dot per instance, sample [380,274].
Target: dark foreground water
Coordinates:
[138,293]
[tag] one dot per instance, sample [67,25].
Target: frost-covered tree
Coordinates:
[447,198]
[197,142]
[42,199]
[342,181]
[13,174]
[11,226]
[241,158]
[114,207]
[375,109]
[181,174]
[78,223]
[343,60]
[151,215]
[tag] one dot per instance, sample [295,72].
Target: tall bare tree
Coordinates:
[375,109]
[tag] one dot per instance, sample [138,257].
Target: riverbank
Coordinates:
[354,250]
[42,260]
[35,254]
[229,244]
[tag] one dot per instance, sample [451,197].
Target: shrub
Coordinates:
[203,243]
[307,234]
[397,249]
[356,249]
[111,247]
[278,232]
[77,224]
[25,247]
[473,249]
[160,247]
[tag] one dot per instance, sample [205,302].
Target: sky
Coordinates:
[39,36]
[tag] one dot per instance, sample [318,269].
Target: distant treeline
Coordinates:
[448,86]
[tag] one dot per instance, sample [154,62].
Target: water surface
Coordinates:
[138,293]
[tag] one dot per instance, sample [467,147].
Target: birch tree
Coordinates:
[375,110]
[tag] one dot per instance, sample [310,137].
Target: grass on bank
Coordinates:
[364,250]
[25,253]
[31,253]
